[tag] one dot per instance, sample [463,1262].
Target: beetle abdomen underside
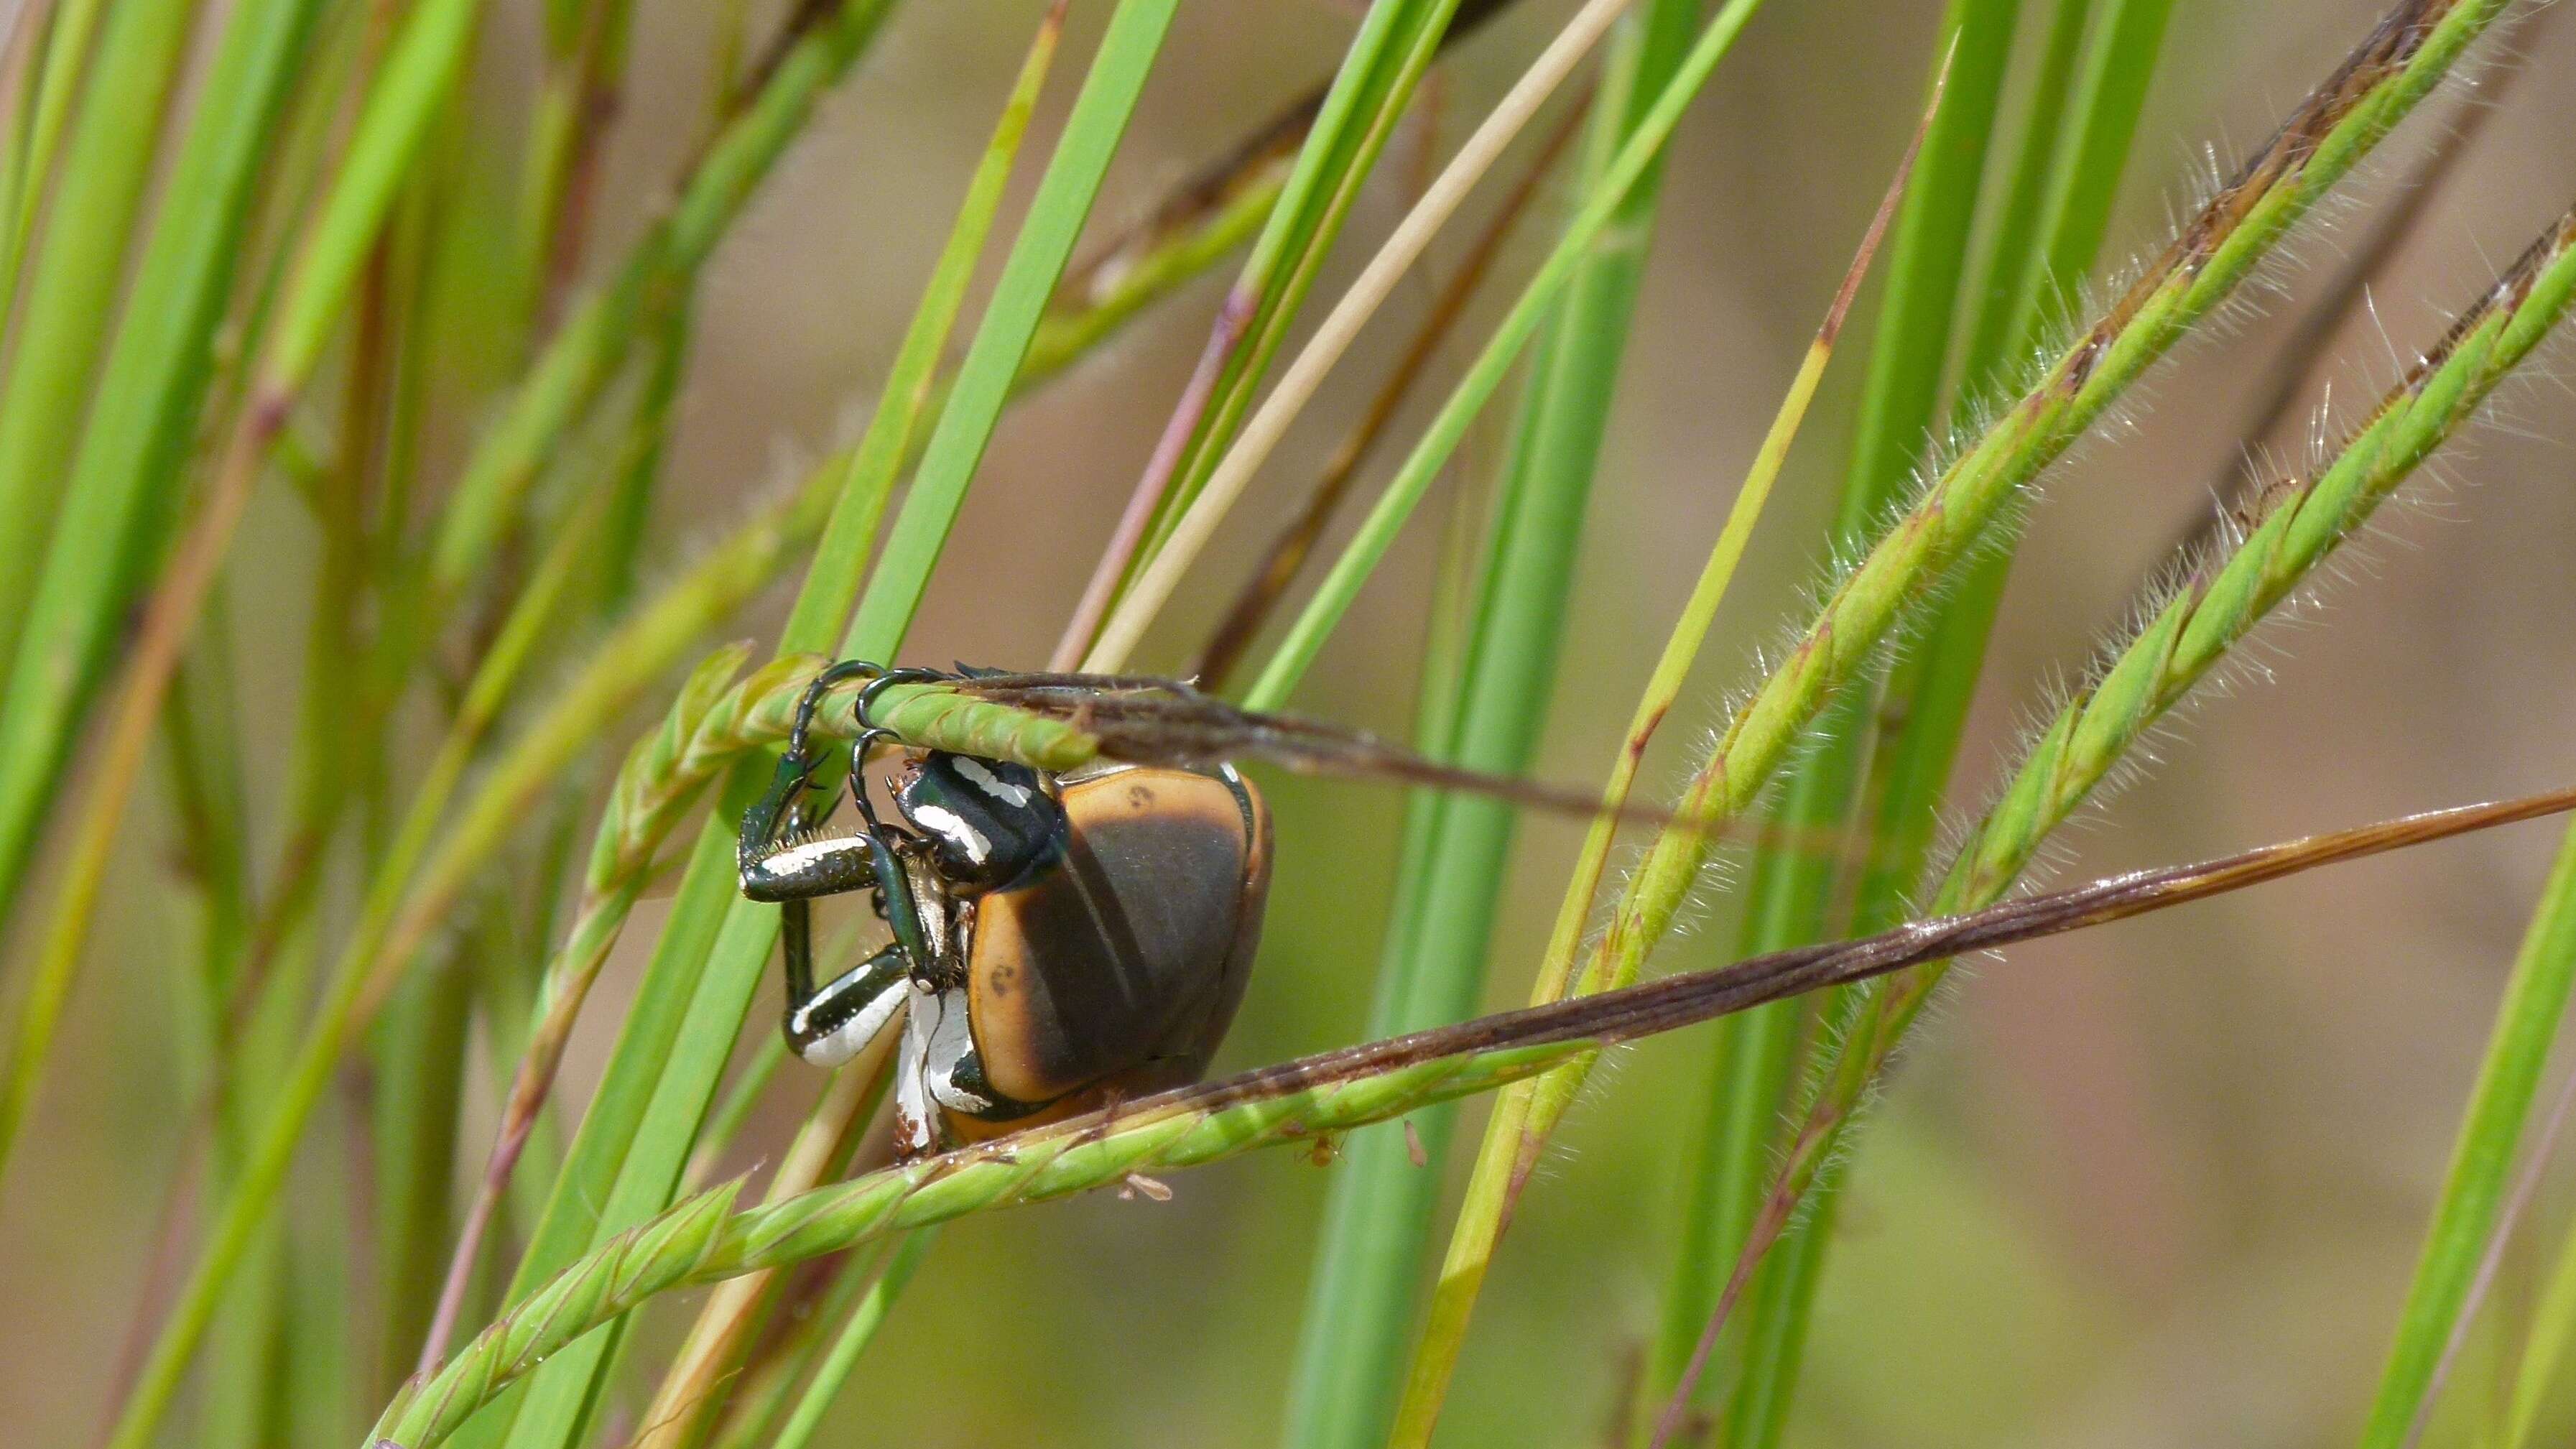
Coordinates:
[1124,963]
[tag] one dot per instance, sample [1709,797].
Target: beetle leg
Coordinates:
[909,899]
[774,872]
[829,1026]
[916,1118]
[806,868]
[886,679]
[813,699]
[956,1074]
[812,868]
[770,872]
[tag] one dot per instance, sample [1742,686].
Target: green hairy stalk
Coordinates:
[2331,130]
[2288,530]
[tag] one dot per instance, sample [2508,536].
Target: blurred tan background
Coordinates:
[2156,1185]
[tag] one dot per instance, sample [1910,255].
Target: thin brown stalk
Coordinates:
[1233,472]
[1156,481]
[1296,540]
[597,78]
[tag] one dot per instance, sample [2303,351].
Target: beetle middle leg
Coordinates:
[830,1025]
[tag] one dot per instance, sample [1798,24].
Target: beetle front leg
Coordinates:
[835,1023]
[811,868]
[770,859]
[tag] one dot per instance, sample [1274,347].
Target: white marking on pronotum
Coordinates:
[854,1034]
[990,783]
[953,825]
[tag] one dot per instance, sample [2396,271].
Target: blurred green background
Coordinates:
[2160,1184]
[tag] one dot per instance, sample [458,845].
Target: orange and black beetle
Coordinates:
[1056,941]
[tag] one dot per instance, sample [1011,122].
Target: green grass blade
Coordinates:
[430,47]
[1379,72]
[81,263]
[1932,689]
[1786,892]
[408,92]
[247,1359]
[561,385]
[985,378]
[2005,307]
[59,65]
[2546,1362]
[125,479]
[1928,692]
[425,58]
[2482,1159]
[865,1319]
[1359,559]
[1351,1363]
[1525,1119]
[421,1051]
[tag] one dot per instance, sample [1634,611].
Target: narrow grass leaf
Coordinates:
[1379,73]
[56,66]
[584,353]
[1636,156]
[1348,1379]
[425,59]
[1233,473]
[1926,694]
[1526,1116]
[2473,1191]
[1931,690]
[65,322]
[125,477]
[1786,890]
[865,1320]
[2548,1350]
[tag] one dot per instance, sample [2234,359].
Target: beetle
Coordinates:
[1057,942]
